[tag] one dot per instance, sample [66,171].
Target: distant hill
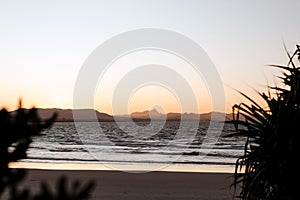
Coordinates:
[66,115]
[155,115]
[146,115]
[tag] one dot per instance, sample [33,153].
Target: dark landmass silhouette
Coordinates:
[155,115]
[67,115]
[90,115]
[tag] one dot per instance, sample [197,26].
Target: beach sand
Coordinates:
[116,185]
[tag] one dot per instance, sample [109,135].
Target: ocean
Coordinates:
[155,145]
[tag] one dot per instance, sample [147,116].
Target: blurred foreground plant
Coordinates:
[17,129]
[268,169]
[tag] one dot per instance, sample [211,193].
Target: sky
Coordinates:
[43,45]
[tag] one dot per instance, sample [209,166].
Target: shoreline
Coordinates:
[125,168]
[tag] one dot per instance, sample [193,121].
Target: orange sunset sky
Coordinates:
[44,44]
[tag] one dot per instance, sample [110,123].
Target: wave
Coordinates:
[63,144]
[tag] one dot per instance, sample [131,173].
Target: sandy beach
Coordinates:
[115,185]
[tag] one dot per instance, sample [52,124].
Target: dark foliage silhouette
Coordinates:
[268,168]
[17,129]
[76,192]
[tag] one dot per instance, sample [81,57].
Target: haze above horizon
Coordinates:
[43,45]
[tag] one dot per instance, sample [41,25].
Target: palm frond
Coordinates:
[263,172]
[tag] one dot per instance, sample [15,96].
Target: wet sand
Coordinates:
[116,185]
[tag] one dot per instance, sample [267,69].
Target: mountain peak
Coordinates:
[154,111]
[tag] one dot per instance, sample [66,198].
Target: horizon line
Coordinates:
[58,108]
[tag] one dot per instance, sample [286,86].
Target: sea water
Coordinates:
[186,144]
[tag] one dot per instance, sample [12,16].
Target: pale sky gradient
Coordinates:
[43,44]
